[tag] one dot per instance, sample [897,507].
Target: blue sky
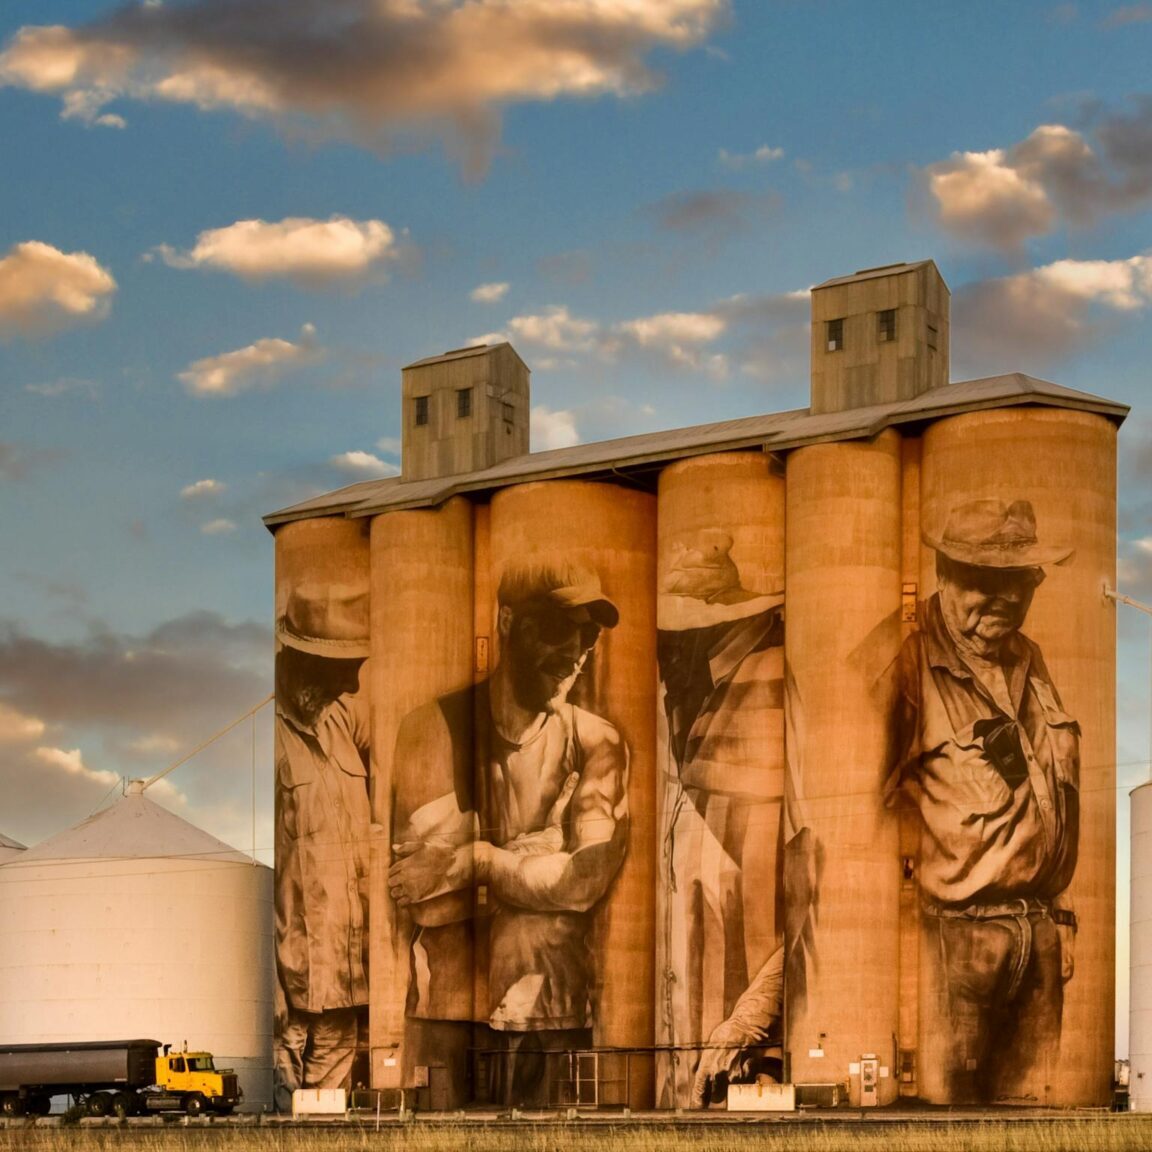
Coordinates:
[225,225]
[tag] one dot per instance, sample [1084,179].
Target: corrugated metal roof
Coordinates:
[875,273]
[132,828]
[461,354]
[774,432]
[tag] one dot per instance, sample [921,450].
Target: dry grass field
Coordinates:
[1045,1134]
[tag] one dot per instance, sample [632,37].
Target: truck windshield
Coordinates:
[200,1064]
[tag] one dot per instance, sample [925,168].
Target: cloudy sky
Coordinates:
[226,224]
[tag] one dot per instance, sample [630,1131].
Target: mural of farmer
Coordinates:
[322,819]
[721,662]
[990,759]
[516,815]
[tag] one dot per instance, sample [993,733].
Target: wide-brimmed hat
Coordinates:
[702,587]
[326,620]
[993,534]
[562,585]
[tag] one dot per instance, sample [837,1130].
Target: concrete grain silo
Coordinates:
[137,923]
[1140,1009]
[700,757]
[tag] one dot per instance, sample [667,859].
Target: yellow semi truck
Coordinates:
[113,1077]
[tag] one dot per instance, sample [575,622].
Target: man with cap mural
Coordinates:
[322,819]
[512,809]
[991,760]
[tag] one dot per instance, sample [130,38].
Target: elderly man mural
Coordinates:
[322,819]
[721,661]
[991,760]
[514,810]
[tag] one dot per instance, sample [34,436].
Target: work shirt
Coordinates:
[988,836]
[322,821]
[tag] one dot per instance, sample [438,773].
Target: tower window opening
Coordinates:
[932,337]
[835,335]
[421,411]
[463,403]
[509,413]
[886,325]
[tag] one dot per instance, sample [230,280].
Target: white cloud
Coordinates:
[765,154]
[219,527]
[206,487]
[259,364]
[674,328]
[16,726]
[1038,316]
[984,199]
[72,764]
[313,253]
[554,328]
[489,293]
[445,67]
[390,445]
[1055,177]
[549,428]
[43,290]
[364,464]
[64,386]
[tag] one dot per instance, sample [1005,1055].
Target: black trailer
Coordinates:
[31,1074]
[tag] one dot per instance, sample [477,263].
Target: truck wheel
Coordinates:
[99,1103]
[193,1103]
[124,1104]
[11,1105]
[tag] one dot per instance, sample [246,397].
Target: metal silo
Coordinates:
[137,923]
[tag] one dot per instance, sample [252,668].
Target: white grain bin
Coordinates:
[9,849]
[136,923]
[1140,954]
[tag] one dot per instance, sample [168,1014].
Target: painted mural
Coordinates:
[506,841]
[510,825]
[721,664]
[990,759]
[322,821]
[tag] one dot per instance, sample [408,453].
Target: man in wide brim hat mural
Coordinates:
[322,821]
[991,760]
[721,661]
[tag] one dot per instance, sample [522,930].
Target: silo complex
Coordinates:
[780,749]
[136,923]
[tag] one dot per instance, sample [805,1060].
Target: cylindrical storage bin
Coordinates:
[322,820]
[841,853]
[720,748]
[571,934]
[422,750]
[1017,867]
[137,923]
[1140,988]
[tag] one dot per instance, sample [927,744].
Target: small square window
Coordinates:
[835,335]
[463,402]
[421,411]
[886,325]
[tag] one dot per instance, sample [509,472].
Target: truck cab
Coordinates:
[193,1077]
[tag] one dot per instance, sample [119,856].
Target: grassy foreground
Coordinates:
[1119,1133]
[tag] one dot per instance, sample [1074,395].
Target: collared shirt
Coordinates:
[322,823]
[986,840]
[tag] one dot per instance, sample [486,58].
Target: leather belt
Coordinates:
[1023,907]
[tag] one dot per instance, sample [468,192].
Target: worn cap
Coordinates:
[326,620]
[992,534]
[563,585]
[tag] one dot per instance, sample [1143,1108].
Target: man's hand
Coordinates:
[720,1059]
[421,871]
